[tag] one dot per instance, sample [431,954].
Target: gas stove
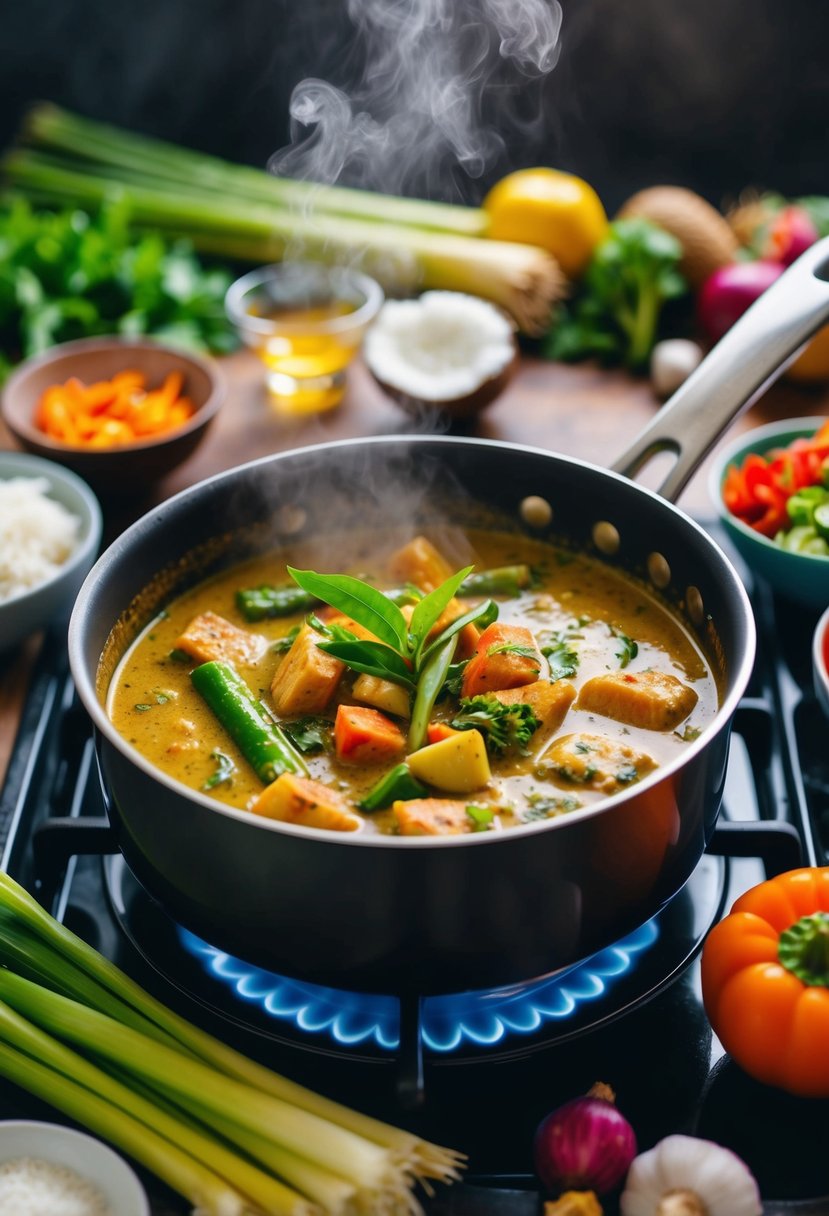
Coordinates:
[475,1070]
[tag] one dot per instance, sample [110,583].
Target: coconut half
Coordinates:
[446,351]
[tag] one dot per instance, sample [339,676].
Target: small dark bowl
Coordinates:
[128,468]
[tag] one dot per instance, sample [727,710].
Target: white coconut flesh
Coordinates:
[440,347]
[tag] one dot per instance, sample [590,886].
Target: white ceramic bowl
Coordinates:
[820,661]
[32,609]
[93,1160]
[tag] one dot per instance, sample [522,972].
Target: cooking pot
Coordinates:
[431,914]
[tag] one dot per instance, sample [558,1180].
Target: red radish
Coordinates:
[790,234]
[729,291]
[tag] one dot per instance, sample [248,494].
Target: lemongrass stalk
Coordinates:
[522,279]
[204,1189]
[426,1160]
[268,1193]
[199,1085]
[334,1195]
[49,126]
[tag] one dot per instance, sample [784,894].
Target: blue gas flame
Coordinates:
[481,1018]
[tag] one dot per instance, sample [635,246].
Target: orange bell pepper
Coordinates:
[765,982]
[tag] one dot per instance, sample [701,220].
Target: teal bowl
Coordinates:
[801,577]
[35,607]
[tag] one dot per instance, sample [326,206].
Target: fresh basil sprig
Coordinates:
[402,652]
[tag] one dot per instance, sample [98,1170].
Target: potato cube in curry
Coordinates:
[595,762]
[652,700]
[432,817]
[458,764]
[382,694]
[210,637]
[307,677]
[295,799]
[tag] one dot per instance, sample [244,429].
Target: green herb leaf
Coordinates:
[371,658]
[526,652]
[142,707]
[225,768]
[363,603]
[483,614]
[543,807]
[563,660]
[482,817]
[309,734]
[429,609]
[626,650]
[432,677]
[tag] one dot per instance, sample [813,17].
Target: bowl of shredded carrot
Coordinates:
[120,413]
[771,489]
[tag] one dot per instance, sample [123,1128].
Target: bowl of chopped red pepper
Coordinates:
[771,489]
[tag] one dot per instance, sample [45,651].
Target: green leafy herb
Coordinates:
[563,660]
[688,734]
[626,649]
[225,768]
[180,656]
[283,645]
[526,652]
[401,654]
[71,274]
[504,727]
[142,707]
[627,774]
[481,816]
[309,734]
[541,806]
[162,696]
[615,315]
[583,748]
[454,679]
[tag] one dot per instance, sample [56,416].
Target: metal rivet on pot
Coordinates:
[659,571]
[536,511]
[606,538]
[694,604]
[291,519]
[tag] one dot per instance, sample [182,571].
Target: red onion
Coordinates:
[585,1144]
[729,291]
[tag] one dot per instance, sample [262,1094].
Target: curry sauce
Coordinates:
[617,683]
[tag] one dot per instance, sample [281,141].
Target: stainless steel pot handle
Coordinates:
[750,356]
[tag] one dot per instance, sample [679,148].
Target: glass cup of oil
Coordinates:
[306,322]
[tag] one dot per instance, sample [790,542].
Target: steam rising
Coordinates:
[415,115]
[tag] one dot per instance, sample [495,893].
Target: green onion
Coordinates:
[245,213]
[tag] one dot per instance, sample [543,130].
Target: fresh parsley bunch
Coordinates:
[615,314]
[68,274]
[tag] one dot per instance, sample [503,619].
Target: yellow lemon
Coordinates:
[554,210]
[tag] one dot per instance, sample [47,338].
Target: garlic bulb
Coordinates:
[683,1176]
[672,362]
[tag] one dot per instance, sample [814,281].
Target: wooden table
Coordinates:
[582,411]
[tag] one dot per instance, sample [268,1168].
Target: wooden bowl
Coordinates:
[128,468]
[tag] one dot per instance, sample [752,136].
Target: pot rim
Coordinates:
[738,677]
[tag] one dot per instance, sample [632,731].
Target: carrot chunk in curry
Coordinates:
[507,657]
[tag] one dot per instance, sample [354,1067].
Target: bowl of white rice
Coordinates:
[50,530]
[47,1169]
